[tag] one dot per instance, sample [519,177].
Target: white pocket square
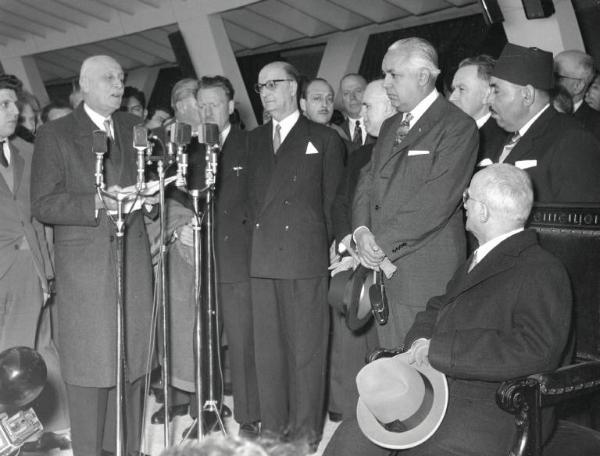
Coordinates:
[524,164]
[310,149]
[485,162]
[417,152]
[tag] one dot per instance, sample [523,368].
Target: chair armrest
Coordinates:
[384,353]
[525,397]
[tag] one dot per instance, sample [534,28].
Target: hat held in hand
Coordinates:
[401,405]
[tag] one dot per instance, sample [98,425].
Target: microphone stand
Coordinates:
[205,284]
[121,409]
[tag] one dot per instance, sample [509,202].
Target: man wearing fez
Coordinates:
[560,155]
[406,215]
[63,195]
[294,167]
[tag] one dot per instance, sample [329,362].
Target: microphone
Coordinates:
[140,143]
[181,136]
[99,147]
[208,133]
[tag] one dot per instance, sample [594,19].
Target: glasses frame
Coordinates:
[466,197]
[271,84]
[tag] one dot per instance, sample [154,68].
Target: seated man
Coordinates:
[506,313]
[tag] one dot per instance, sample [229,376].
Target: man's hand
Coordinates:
[369,253]
[419,352]
[185,234]
[347,244]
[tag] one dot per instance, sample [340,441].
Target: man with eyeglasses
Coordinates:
[294,167]
[560,155]
[505,313]
[63,195]
[574,72]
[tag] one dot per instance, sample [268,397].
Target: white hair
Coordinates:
[507,189]
[421,54]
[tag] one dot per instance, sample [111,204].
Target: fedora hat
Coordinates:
[400,405]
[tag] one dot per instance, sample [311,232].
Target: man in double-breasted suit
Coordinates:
[294,166]
[406,214]
[63,195]
[506,313]
[560,155]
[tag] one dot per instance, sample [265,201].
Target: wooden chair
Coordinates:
[571,233]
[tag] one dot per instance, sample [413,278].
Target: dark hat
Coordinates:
[522,66]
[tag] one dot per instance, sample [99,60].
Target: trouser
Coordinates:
[93,417]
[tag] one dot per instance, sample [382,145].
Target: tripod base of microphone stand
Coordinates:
[212,421]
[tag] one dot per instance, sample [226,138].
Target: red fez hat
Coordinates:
[522,66]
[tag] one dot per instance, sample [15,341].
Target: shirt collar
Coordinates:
[98,119]
[526,127]
[418,111]
[577,105]
[486,248]
[224,134]
[6,150]
[286,124]
[482,120]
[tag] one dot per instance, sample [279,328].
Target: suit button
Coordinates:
[286,202]
[257,225]
[111,238]
[287,227]
[377,207]
[16,246]
[226,237]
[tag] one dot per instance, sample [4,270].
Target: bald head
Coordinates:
[376,107]
[574,71]
[101,80]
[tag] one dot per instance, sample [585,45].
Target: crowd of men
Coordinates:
[298,199]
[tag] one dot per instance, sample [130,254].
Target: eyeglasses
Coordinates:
[269,84]
[466,197]
[562,76]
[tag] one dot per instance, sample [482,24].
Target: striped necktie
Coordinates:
[509,146]
[402,130]
[357,138]
[277,138]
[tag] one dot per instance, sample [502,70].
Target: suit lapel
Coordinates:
[500,259]
[18,164]
[82,133]
[537,130]
[425,123]
[290,151]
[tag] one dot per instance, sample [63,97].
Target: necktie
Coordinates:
[108,129]
[509,146]
[277,138]
[357,137]
[474,261]
[3,160]
[403,129]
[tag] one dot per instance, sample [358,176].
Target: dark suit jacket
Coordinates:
[491,137]
[290,199]
[567,157]
[509,317]
[232,225]
[342,206]
[62,195]
[590,118]
[16,221]
[345,126]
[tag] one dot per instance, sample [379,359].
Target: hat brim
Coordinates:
[359,308]
[379,435]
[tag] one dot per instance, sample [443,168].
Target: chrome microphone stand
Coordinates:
[99,145]
[205,285]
